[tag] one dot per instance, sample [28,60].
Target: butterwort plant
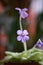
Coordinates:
[22,34]
[33,54]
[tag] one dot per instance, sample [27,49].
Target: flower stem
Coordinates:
[25,46]
[20,24]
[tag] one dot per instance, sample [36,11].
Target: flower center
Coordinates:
[22,35]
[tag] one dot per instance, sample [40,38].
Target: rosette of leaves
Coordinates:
[32,54]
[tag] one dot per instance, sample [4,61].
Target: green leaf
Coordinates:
[32,54]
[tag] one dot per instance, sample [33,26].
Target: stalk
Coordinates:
[24,44]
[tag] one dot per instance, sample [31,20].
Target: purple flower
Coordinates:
[22,12]
[39,44]
[22,36]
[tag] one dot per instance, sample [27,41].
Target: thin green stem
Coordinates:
[25,46]
[20,24]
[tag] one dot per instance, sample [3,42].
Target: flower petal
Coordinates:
[25,9]
[26,37]
[18,9]
[23,14]
[23,40]
[25,32]
[39,43]
[19,32]
[19,38]
[26,14]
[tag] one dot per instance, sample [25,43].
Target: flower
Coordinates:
[39,44]
[22,12]
[22,35]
